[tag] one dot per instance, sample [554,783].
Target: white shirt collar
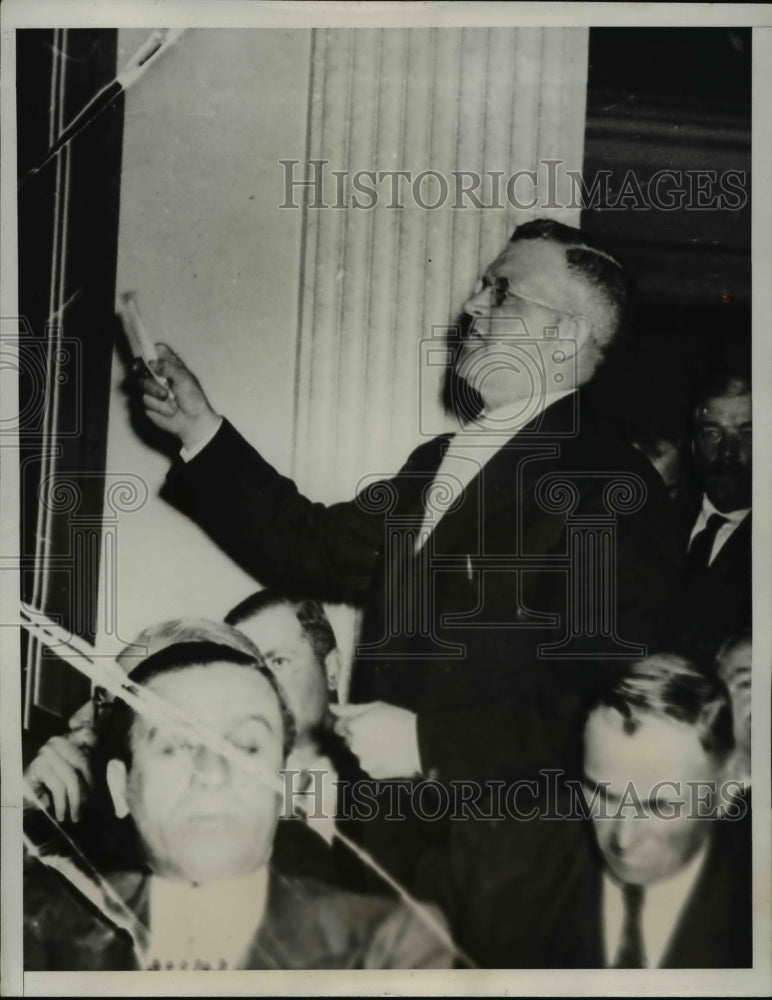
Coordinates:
[212,924]
[733,516]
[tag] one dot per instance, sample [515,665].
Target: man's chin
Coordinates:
[633,874]
[203,864]
[210,848]
[725,497]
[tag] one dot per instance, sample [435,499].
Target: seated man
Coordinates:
[297,642]
[299,645]
[201,790]
[646,864]
[60,776]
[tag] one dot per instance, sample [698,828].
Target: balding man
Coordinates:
[536,547]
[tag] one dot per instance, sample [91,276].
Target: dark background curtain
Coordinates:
[675,99]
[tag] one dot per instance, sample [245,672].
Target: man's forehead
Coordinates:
[730,408]
[530,260]
[740,655]
[273,626]
[217,693]
[660,749]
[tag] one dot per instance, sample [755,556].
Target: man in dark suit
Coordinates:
[717,598]
[193,768]
[644,864]
[297,642]
[504,570]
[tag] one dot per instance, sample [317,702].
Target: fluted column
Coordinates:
[376,281]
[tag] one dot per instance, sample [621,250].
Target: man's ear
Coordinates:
[116,782]
[332,667]
[577,328]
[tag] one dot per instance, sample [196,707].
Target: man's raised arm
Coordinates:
[252,512]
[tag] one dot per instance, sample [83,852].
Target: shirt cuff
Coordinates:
[186,454]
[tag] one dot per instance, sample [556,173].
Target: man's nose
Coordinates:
[210,767]
[479,303]
[625,833]
[729,448]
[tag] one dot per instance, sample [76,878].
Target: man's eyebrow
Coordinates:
[156,731]
[277,648]
[253,717]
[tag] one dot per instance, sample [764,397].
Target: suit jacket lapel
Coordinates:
[418,473]
[713,929]
[290,936]
[736,547]
[506,478]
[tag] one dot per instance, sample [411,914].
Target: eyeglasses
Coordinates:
[501,292]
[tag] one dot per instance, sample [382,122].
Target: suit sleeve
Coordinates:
[259,518]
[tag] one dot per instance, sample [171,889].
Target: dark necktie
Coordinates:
[702,544]
[631,953]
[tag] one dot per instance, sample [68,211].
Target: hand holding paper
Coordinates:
[179,407]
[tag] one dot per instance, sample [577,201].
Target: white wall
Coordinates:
[215,264]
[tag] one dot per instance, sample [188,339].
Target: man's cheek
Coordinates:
[602,834]
[162,785]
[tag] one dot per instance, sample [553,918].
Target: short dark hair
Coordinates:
[591,261]
[720,382]
[731,643]
[115,725]
[310,613]
[668,686]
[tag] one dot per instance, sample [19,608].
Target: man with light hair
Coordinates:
[485,618]
[60,774]
[191,763]
[298,644]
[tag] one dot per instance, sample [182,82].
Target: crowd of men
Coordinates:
[543,757]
